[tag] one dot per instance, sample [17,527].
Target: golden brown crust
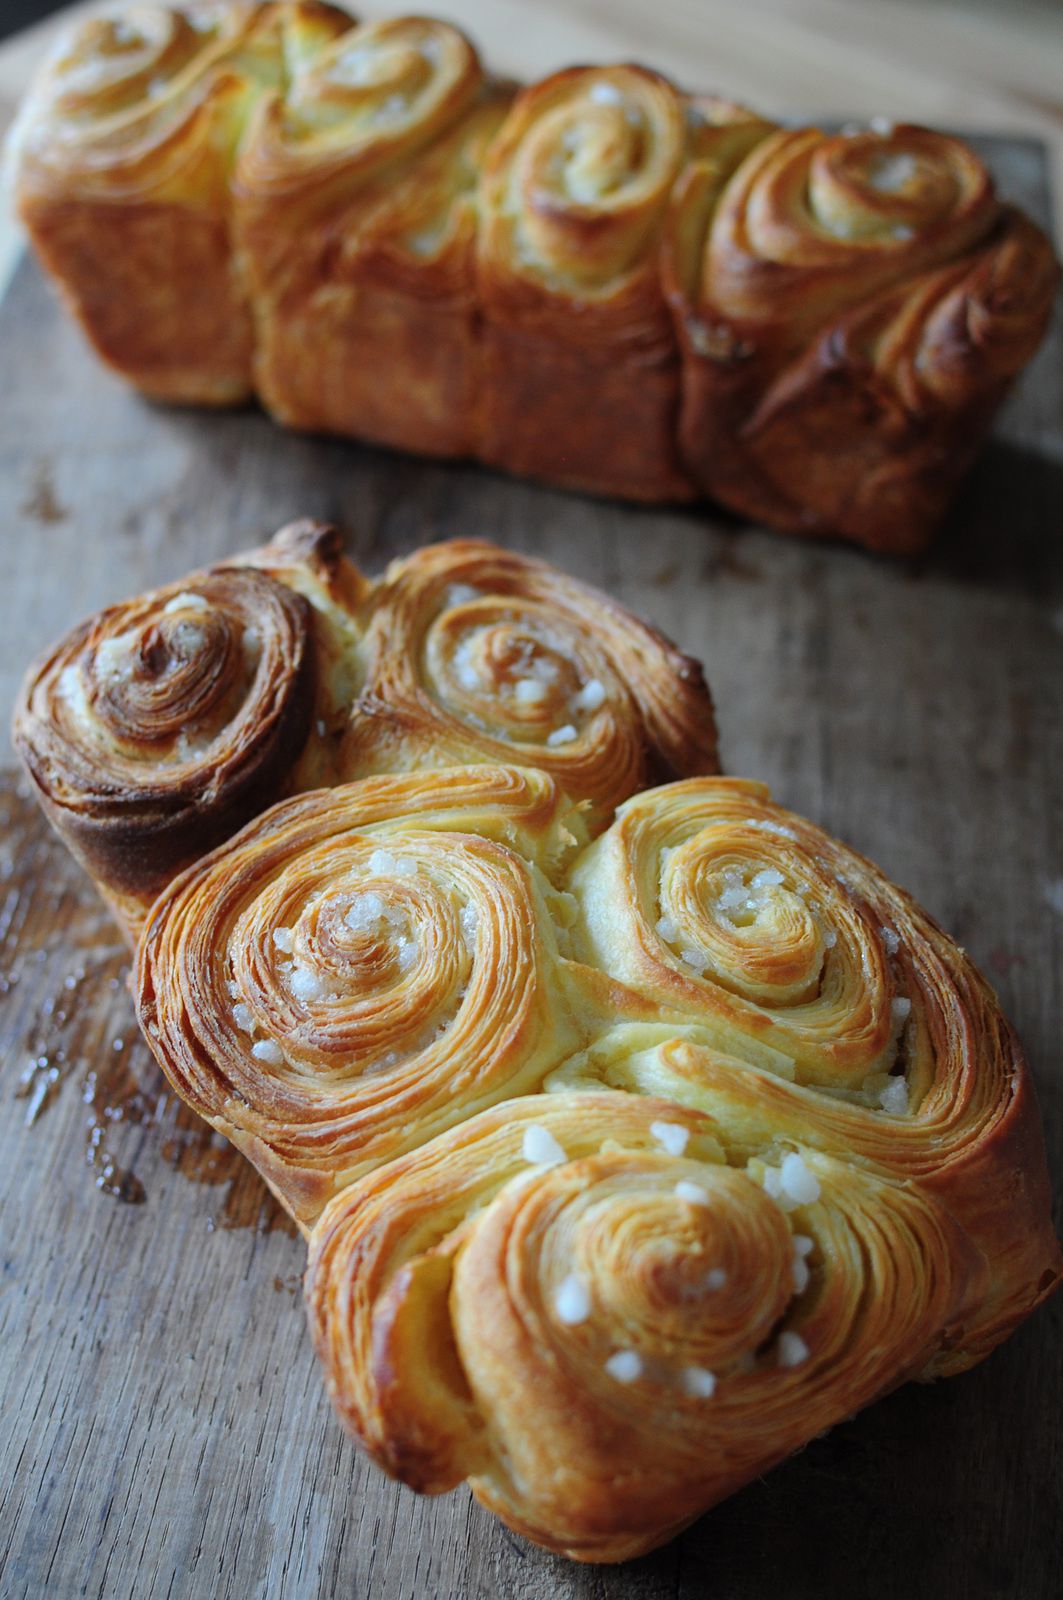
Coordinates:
[477,653]
[862,305]
[355,217]
[361,968]
[124,150]
[581,380]
[795,1163]
[156,729]
[602,282]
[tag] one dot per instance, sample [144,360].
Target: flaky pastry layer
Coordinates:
[597,280]
[628,1165]
[155,729]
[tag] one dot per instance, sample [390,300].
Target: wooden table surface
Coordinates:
[165,1428]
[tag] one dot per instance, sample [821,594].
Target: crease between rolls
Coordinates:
[814,329]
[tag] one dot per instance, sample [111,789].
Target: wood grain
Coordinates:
[166,1432]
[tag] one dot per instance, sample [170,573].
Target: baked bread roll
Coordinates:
[355,216]
[852,315]
[600,281]
[156,729]
[627,1165]
[361,968]
[125,150]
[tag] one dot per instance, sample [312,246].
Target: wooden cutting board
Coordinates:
[165,1431]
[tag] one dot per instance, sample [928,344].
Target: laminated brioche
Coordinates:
[627,1165]
[598,280]
[156,729]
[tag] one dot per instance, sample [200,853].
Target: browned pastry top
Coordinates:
[155,730]
[599,280]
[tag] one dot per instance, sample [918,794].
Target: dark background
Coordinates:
[16,14]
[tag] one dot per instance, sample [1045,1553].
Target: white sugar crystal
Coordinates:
[407,954]
[186,601]
[694,958]
[606,94]
[541,1148]
[692,1192]
[591,696]
[772,1181]
[883,126]
[733,897]
[672,1135]
[572,1301]
[699,1383]
[891,940]
[353,67]
[392,108]
[269,1051]
[282,938]
[801,1275]
[563,735]
[798,1184]
[667,930]
[715,1278]
[364,912]
[189,637]
[803,1245]
[381,863]
[830,939]
[460,594]
[890,173]
[242,1017]
[767,879]
[894,1098]
[792,1349]
[774,827]
[470,921]
[307,985]
[529,691]
[900,1011]
[624,1366]
[405,867]
[114,657]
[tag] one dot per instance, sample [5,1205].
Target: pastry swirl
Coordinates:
[360,968]
[158,728]
[609,1341]
[703,1147]
[155,730]
[354,212]
[863,287]
[598,281]
[481,654]
[125,148]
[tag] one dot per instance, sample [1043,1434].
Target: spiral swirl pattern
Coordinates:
[831,218]
[598,281]
[359,96]
[581,173]
[334,985]
[159,727]
[625,1332]
[156,729]
[480,654]
[129,104]
[763,1190]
